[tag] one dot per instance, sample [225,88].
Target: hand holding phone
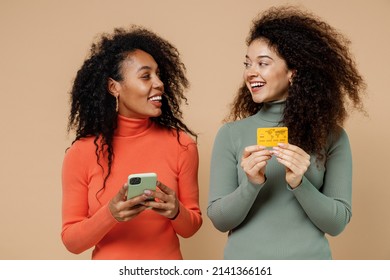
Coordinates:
[138,183]
[124,211]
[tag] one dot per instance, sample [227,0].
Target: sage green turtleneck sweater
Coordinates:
[272,221]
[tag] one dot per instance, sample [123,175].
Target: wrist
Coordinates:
[177,214]
[294,186]
[265,179]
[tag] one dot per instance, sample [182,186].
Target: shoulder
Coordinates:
[83,143]
[338,136]
[81,149]
[338,140]
[236,128]
[185,138]
[241,123]
[174,138]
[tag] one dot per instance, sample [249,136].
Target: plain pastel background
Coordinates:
[43,44]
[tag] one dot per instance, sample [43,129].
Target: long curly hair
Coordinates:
[326,82]
[93,108]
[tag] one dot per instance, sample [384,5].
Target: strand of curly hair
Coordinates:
[326,80]
[93,108]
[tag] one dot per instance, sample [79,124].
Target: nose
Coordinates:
[158,84]
[251,72]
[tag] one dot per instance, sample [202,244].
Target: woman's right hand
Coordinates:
[253,162]
[124,210]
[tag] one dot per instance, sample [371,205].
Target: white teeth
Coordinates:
[257,84]
[156,98]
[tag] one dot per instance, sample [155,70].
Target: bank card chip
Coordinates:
[271,136]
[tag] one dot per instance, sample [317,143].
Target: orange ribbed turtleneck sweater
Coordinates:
[139,146]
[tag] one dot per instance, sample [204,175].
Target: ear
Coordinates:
[291,74]
[113,87]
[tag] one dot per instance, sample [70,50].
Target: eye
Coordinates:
[145,76]
[247,65]
[263,64]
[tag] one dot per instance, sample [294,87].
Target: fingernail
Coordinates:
[147,192]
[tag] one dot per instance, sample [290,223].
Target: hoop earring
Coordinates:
[116,104]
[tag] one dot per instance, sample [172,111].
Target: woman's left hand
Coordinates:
[166,202]
[295,160]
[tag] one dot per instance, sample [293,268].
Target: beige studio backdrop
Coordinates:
[43,43]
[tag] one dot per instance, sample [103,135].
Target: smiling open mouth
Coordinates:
[155,98]
[257,84]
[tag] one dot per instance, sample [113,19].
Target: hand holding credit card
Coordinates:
[271,136]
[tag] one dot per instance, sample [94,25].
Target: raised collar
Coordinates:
[131,127]
[272,111]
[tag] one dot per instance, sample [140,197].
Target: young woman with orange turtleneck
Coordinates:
[125,110]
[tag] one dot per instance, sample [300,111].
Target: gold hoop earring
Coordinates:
[116,104]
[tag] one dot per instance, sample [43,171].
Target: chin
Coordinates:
[156,114]
[258,100]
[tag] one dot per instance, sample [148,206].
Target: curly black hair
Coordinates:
[325,80]
[93,108]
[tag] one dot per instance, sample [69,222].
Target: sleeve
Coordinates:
[189,220]
[79,230]
[229,200]
[330,208]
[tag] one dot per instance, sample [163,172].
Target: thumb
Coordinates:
[121,195]
[245,153]
[164,188]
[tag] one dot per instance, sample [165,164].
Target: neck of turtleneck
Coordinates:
[272,111]
[131,127]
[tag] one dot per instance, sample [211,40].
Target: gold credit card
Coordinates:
[271,136]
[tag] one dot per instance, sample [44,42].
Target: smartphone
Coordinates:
[137,183]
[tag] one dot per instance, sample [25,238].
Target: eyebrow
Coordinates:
[261,56]
[144,68]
